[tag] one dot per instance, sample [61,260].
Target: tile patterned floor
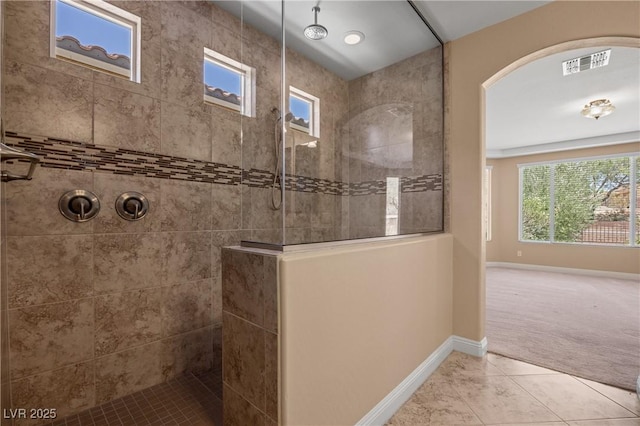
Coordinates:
[186,400]
[464,390]
[495,390]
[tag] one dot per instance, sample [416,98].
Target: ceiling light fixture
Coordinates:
[598,108]
[353,37]
[315,31]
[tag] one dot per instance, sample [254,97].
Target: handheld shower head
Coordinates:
[287,118]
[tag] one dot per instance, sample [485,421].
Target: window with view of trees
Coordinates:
[589,201]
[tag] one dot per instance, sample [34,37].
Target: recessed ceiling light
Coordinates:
[353,37]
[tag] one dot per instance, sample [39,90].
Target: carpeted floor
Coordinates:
[581,325]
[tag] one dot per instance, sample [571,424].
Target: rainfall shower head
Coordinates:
[315,31]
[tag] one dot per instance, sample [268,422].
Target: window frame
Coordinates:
[314,114]
[633,208]
[247,83]
[111,13]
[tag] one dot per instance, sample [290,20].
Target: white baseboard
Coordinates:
[470,347]
[544,268]
[391,403]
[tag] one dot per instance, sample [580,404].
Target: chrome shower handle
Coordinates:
[7,153]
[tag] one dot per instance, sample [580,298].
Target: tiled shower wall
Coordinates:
[5,390]
[101,309]
[395,128]
[104,308]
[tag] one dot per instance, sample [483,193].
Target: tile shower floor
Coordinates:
[495,390]
[190,400]
[464,390]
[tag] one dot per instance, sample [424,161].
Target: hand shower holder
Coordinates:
[7,153]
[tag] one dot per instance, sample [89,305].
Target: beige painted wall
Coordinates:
[505,244]
[356,321]
[472,60]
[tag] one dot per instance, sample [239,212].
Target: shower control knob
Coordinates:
[132,205]
[79,205]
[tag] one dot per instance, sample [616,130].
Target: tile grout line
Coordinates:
[463,399]
[532,396]
[612,400]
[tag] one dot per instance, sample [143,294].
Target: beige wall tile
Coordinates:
[126,120]
[226,128]
[221,239]
[224,40]
[427,214]
[125,320]
[125,372]
[238,411]
[27,38]
[185,206]
[186,22]
[69,390]
[217,348]
[182,79]
[32,93]
[226,207]
[49,269]
[262,215]
[271,293]
[269,236]
[187,257]
[271,375]
[127,262]
[243,359]
[243,285]
[186,132]
[108,188]
[187,353]
[49,336]
[186,307]
[150,73]
[36,212]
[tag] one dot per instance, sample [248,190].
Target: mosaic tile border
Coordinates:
[70,155]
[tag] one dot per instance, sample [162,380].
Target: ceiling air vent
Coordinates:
[595,60]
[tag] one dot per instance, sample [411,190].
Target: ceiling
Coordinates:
[383,45]
[537,109]
[533,109]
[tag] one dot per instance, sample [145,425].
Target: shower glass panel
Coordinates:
[347,140]
[373,164]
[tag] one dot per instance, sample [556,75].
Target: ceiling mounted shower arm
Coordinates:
[315,31]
